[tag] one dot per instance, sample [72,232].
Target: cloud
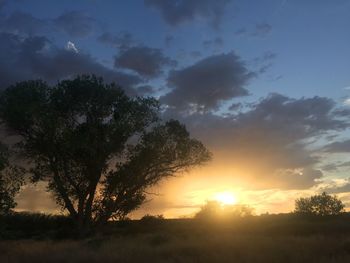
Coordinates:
[146,61]
[205,84]
[196,54]
[122,40]
[21,23]
[336,186]
[217,42]
[75,23]
[262,30]
[331,167]
[36,57]
[241,31]
[297,179]
[265,61]
[145,90]
[267,144]
[338,147]
[71,46]
[2,3]
[235,106]
[168,40]
[178,12]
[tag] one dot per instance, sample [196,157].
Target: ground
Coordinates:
[281,238]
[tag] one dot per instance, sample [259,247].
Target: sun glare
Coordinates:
[226,198]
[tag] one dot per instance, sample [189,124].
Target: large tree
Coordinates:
[320,205]
[11,179]
[98,149]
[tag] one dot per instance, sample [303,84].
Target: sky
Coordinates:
[265,85]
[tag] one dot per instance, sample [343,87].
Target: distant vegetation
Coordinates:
[213,210]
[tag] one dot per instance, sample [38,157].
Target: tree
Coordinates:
[215,210]
[98,149]
[11,179]
[321,205]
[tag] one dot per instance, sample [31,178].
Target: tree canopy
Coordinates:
[97,148]
[321,205]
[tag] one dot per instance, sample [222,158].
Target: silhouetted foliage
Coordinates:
[320,205]
[215,210]
[152,218]
[11,179]
[97,148]
[36,226]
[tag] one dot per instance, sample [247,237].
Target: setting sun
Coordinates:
[226,198]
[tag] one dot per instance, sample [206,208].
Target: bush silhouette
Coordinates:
[320,205]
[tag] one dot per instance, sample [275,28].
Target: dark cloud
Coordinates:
[146,61]
[235,106]
[75,23]
[338,147]
[259,30]
[262,30]
[331,167]
[2,4]
[122,40]
[344,164]
[36,57]
[21,23]
[265,61]
[145,90]
[267,56]
[208,82]
[308,116]
[268,142]
[297,179]
[241,31]
[196,54]
[217,42]
[178,12]
[334,188]
[168,40]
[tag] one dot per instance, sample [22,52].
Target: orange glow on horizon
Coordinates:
[226,198]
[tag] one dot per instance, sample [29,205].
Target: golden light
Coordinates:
[226,198]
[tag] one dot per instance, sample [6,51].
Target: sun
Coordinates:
[226,198]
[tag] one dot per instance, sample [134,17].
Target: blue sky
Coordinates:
[248,78]
[310,39]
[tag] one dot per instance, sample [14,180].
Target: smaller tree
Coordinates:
[11,179]
[321,205]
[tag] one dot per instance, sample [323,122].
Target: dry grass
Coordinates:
[257,239]
[184,247]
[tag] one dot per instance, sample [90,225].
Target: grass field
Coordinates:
[282,238]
